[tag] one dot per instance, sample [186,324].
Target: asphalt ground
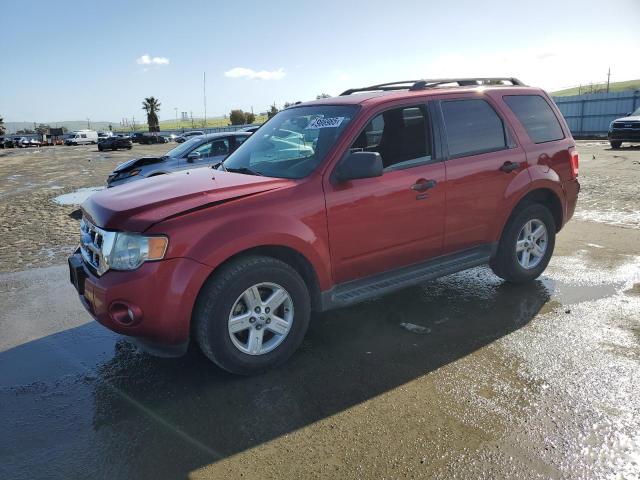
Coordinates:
[462,377]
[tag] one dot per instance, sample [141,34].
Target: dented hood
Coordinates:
[136,206]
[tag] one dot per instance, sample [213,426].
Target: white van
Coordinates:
[82,137]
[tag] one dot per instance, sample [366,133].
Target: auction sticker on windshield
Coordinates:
[330,122]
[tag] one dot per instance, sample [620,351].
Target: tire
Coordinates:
[225,291]
[508,262]
[615,144]
[100,148]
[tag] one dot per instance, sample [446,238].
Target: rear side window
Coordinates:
[472,127]
[536,117]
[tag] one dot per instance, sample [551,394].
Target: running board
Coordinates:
[377,285]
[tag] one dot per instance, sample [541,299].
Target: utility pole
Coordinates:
[88,124]
[204,96]
[176,109]
[608,78]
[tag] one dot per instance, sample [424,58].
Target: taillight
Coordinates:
[575,160]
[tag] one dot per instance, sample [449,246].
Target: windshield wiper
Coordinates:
[244,170]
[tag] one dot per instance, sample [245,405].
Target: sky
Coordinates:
[98,60]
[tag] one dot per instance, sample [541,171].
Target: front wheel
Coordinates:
[526,245]
[252,315]
[615,144]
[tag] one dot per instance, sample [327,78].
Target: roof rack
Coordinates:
[412,85]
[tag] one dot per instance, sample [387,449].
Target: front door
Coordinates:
[383,223]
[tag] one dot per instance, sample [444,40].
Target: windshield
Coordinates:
[182,149]
[293,143]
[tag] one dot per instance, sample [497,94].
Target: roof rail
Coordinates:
[432,83]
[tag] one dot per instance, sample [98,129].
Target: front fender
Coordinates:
[213,235]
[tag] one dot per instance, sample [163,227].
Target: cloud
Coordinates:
[241,72]
[146,59]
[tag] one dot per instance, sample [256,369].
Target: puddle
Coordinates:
[77,197]
[570,294]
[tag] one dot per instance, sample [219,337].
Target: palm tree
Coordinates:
[2,129]
[151,105]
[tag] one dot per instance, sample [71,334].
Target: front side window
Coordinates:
[472,127]
[401,136]
[536,117]
[293,143]
[214,148]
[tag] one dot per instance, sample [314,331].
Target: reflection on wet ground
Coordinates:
[476,388]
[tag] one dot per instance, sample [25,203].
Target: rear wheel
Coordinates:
[252,315]
[615,144]
[526,245]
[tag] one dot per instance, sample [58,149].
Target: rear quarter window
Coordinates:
[536,117]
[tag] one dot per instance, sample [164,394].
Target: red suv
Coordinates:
[331,202]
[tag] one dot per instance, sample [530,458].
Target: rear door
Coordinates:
[383,223]
[482,159]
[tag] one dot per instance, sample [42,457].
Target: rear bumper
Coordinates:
[571,189]
[161,295]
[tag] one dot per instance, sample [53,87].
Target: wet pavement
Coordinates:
[463,377]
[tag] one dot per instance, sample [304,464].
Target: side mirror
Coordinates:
[193,156]
[357,165]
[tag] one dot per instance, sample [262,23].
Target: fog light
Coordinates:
[125,314]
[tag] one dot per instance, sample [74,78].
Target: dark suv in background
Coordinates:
[625,129]
[114,143]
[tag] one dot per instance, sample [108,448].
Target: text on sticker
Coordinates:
[331,122]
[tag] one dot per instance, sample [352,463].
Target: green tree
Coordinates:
[25,131]
[2,127]
[323,95]
[151,105]
[237,117]
[272,111]
[249,117]
[42,129]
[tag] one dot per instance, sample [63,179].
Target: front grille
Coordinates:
[631,125]
[93,242]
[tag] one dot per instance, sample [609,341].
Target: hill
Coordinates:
[599,88]
[71,125]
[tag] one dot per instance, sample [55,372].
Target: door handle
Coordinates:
[509,167]
[423,185]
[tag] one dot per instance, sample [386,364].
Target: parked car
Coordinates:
[187,135]
[199,151]
[34,142]
[22,142]
[8,143]
[135,137]
[250,129]
[104,135]
[114,143]
[625,129]
[395,186]
[82,137]
[152,139]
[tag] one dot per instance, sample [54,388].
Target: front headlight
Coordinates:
[130,250]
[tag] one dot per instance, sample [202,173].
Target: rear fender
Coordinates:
[541,178]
